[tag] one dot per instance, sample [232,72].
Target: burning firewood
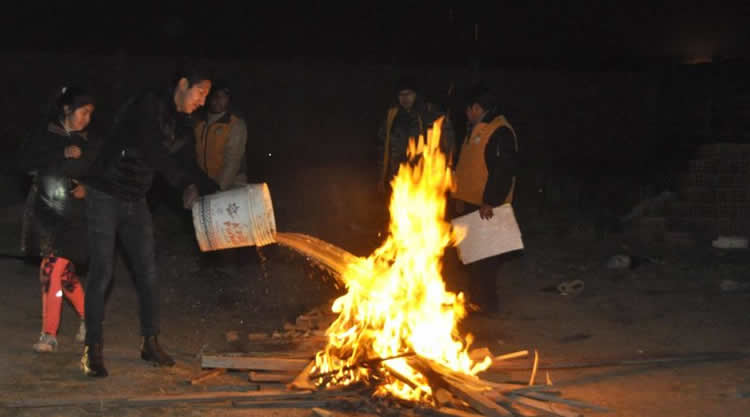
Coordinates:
[396,328]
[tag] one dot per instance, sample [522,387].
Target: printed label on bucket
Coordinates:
[235,218]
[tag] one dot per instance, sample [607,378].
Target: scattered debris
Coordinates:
[730,242]
[729,285]
[630,261]
[571,287]
[257,337]
[619,262]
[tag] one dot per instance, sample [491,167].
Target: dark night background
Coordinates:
[621,108]
[608,98]
[517,33]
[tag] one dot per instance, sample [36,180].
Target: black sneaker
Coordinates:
[92,362]
[152,352]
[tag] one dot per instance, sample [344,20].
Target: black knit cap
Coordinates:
[482,95]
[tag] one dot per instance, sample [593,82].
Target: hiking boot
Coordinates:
[81,335]
[152,352]
[46,343]
[92,362]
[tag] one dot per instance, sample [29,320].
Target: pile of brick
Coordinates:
[714,194]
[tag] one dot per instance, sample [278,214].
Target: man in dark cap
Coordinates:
[408,118]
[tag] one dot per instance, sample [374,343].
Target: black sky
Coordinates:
[510,32]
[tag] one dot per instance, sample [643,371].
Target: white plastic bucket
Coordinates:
[235,218]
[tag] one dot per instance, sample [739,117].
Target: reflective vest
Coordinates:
[210,141]
[471,171]
[389,119]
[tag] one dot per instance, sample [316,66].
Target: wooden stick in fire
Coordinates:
[366,363]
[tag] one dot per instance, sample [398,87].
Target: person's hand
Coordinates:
[485,212]
[189,196]
[79,191]
[72,152]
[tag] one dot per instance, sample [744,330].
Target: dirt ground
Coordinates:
[672,305]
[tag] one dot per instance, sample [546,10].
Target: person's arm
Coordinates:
[149,133]
[448,141]
[380,150]
[148,130]
[502,165]
[234,151]
[380,145]
[79,167]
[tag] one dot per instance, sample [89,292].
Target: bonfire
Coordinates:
[396,306]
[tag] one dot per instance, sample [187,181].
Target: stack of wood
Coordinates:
[455,394]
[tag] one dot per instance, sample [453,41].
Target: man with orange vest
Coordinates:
[486,176]
[220,141]
[409,118]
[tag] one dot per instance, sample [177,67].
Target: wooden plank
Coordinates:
[546,407]
[302,381]
[452,412]
[64,402]
[532,379]
[509,356]
[198,397]
[207,375]
[572,403]
[503,387]
[478,401]
[697,357]
[282,404]
[320,412]
[439,375]
[283,377]
[252,363]
[241,399]
[150,400]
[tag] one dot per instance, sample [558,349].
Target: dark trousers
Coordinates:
[477,280]
[129,223]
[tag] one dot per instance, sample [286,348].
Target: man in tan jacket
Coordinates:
[221,140]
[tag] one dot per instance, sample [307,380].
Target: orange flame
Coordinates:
[396,301]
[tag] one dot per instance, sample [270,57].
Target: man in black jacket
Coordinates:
[117,209]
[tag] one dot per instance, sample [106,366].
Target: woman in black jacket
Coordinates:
[55,216]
